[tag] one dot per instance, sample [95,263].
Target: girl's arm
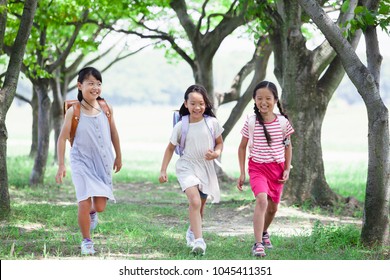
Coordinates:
[287,163]
[167,158]
[116,143]
[241,161]
[61,145]
[211,155]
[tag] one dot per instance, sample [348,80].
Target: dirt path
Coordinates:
[224,219]
[288,221]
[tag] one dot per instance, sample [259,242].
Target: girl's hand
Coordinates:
[117,165]
[61,173]
[163,177]
[211,155]
[240,182]
[286,175]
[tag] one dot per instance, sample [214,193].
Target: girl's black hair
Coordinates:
[272,87]
[200,89]
[84,74]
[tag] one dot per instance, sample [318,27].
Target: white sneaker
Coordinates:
[199,246]
[87,247]
[190,237]
[94,221]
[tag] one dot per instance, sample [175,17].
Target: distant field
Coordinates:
[145,132]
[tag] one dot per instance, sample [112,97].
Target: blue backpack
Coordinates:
[184,129]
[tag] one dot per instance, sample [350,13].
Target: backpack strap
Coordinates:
[176,117]
[184,130]
[75,121]
[106,109]
[76,116]
[209,123]
[251,130]
[185,123]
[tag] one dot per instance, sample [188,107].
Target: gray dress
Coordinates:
[92,158]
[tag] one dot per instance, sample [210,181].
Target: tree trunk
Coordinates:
[260,62]
[38,172]
[308,79]
[366,79]
[7,93]
[34,128]
[57,115]
[376,206]
[203,75]
[5,207]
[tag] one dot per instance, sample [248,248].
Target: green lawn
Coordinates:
[149,220]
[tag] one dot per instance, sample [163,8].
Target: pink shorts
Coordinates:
[263,178]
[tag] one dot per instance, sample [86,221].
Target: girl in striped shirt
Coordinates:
[270,152]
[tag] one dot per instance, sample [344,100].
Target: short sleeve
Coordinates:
[217,128]
[244,130]
[289,129]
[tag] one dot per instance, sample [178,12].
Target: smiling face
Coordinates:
[196,106]
[90,87]
[265,101]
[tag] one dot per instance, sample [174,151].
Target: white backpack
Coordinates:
[251,128]
[184,130]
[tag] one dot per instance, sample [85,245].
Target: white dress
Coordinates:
[192,169]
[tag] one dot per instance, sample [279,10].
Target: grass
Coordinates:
[148,222]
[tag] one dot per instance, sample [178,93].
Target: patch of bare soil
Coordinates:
[226,220]
[288,221]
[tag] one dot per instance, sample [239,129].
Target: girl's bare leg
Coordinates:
[84,218]
[259,216]
[195,203]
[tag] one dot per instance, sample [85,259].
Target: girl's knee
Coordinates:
[99,208]
[195,203]
[99,204]
[272,207]
[272,211]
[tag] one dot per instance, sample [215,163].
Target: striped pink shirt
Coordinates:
[261,152]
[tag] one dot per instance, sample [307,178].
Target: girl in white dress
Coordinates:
[195,168]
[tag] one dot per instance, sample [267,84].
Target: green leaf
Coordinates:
[345,6]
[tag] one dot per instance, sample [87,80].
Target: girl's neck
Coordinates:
[196,119]
[268,117]
[91,106]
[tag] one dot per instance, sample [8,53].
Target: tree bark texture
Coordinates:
[7,93]
[34,128]
[376,209]
[308,79]
[44,103]
[205,45]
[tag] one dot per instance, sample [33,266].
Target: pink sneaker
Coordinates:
[266,241]
[258,250]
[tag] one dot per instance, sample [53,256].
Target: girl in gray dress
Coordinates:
[195,168]
[91,156]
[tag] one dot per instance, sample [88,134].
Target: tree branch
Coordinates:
[263,49]
[18,50]
[356,70]
[325,53]
[335,72]
[3,22]
[160,35]
[180,7]
[61,59]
